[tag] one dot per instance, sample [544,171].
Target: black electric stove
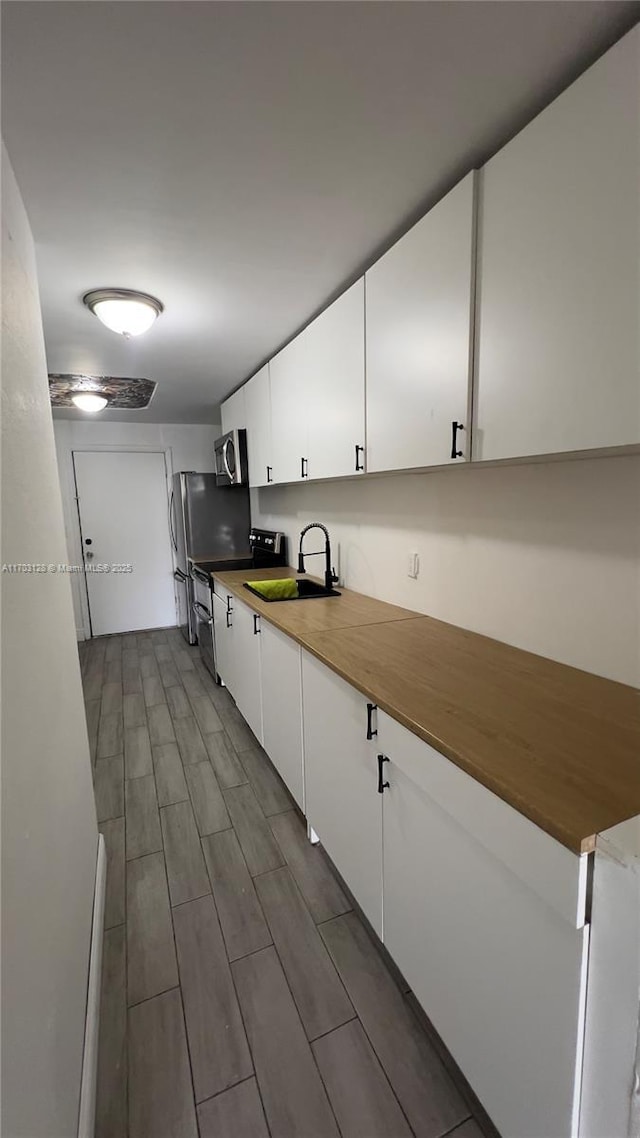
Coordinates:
[267,550]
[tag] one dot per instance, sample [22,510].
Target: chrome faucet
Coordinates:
[330,578]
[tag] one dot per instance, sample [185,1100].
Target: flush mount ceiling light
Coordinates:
[87,401]
[122,310]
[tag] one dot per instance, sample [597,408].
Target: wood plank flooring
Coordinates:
[241,996]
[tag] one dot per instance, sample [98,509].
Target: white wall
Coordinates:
[544,556]
[189,448]
[49,832]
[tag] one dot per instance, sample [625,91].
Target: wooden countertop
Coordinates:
[300,619]
[560,745]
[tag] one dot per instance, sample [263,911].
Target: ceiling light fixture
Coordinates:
[88,401]
[122,310]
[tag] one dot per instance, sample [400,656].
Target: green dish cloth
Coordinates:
[276,590]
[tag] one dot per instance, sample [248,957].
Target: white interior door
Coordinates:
[122,502]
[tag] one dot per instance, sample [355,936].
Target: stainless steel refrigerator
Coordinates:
[208,523]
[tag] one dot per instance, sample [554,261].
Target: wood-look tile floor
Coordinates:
[241,995]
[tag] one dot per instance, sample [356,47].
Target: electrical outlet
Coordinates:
[413,565]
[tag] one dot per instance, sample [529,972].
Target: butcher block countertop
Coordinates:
[560,745]
[300,619]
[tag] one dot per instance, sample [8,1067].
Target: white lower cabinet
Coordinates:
[341,799]
[222,631]
[247,670]
[473,916]
[487,916]
[282,707]
[261,668]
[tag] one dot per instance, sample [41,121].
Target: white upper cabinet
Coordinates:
[418,319]
[317,395]
[334,382]
[288,411]
[559,273]
[233,412]
[258,419]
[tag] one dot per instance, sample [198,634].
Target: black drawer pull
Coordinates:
[304,467]
[359,465]
[381,785]
[227,615]
[455,427]
[269,474]
[371,707]
[256,628]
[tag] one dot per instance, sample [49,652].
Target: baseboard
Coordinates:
[87,1116]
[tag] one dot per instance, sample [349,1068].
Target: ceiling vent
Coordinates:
[122,394]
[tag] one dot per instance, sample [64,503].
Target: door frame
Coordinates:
[77,552]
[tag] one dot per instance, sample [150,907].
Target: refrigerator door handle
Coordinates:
[171,527]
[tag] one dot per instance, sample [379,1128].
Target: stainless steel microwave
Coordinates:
[231,459]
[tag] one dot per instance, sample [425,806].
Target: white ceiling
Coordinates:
[244,161]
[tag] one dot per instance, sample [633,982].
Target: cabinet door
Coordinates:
[335,387]
[418,316]
[342,803]
[246,665]
[559,285]
[258,418]
[282,707]
[233,412]
[289,392]
[223,633]
[497,969]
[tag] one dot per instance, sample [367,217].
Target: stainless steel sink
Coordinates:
[306,591]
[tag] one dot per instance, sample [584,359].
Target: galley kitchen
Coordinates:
[321,739]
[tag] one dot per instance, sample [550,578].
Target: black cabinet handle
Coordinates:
[371,707]
[304,467]
[381,785]
[359,465]
[455,427]
[269,474]
[256,618]
[227,615]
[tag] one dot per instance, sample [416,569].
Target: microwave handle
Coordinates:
[227,444]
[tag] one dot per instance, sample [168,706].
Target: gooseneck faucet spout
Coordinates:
[329,576]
